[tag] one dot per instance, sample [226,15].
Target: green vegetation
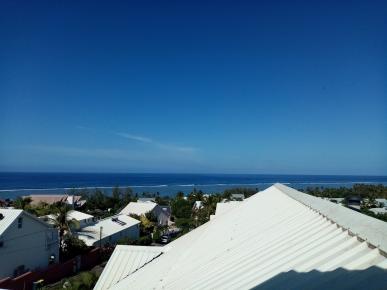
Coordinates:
[22,203]
[101,205]
[69,245]
[362,190]
[367,192]
[37,210]
[81,281]
[187,217]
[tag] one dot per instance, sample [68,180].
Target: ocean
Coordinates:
[18,184]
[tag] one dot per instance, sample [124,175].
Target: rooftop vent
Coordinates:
[116,220]
[1,216]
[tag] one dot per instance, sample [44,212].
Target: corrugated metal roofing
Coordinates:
[138,208]
[9,216]
[124,261]
[272,240]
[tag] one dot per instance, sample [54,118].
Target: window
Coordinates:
[20,222]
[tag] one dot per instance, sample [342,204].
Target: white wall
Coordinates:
[161,216]
[85,222]
[132,233]
[27,246]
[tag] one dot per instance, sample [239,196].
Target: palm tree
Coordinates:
[62,221]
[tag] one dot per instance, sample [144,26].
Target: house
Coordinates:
[164,216]
[382,202]
[162,213]
[110,230]
[83,219]
[379,210]
[354,202]
[26,243]
[197,205]
[278,239]
[5,203]
[338,200]
[237,196]
[146,199]
[73,200]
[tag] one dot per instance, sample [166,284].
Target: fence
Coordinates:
[56,272]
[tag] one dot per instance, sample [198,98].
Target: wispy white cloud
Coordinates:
[183,149]
[162,145]
[80,127]
[84,158]
[167,147]
[135,137]
[109,153]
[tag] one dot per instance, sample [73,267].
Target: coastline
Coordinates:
[17,184]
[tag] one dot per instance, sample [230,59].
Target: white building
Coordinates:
[26,243]
[379,210]
[382,202]
[237,196]
[162,213]
[197,205]
[83,219]
[279,238]
[110,230]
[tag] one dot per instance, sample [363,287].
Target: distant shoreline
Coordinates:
[16,184]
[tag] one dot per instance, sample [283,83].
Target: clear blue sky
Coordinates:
[294,87]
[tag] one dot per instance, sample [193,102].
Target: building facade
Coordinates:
[26,243]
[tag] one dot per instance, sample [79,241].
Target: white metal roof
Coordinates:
[72,214]
[9,215]
[124,261]
[91,234]
[79,216]
[138,208]
[277,238]
[223,207]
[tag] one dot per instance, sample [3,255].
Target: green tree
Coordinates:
[22,203]
[127,196]
[181,208]
[72,246]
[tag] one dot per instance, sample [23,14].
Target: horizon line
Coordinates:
[188,173]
